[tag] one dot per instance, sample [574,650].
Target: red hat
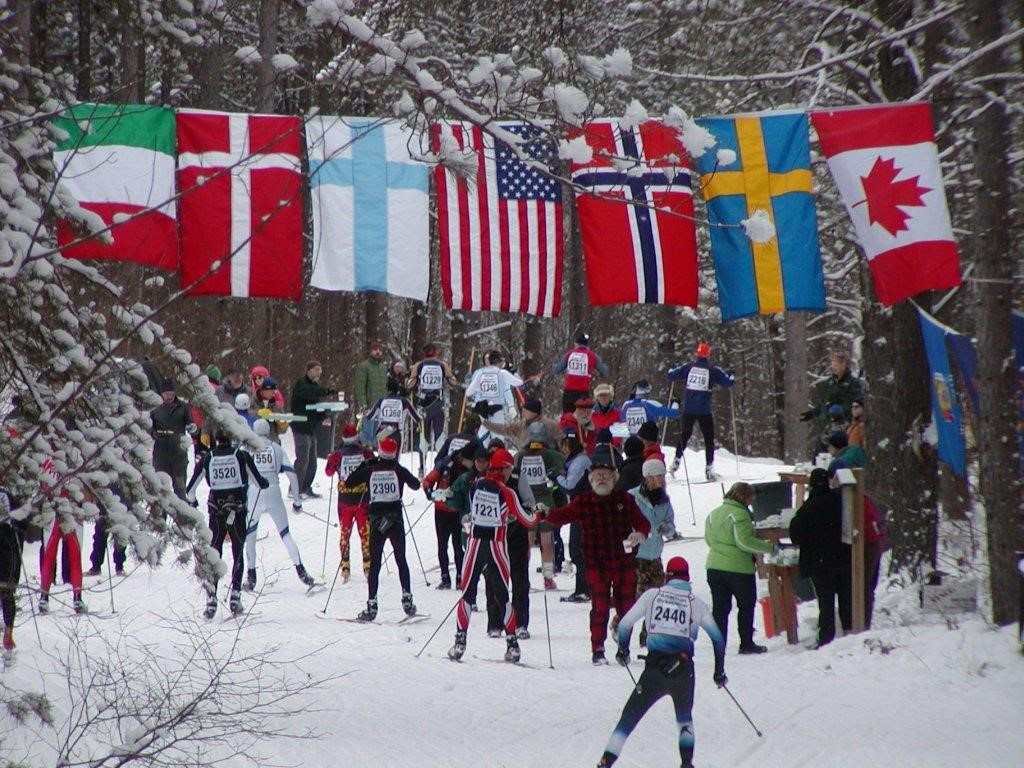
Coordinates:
[679,567]
[388,448]
[703,349]
[501,459]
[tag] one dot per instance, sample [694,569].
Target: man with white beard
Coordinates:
[613,526]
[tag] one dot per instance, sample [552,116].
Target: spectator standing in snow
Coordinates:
[648,434]
[656,506]
[581,420]
[841,451]
[232,387]
[699,380]
[605,412]
[307,391]
[579,365]
[172,421]
[12,540]
[729,533]
[371,379]
[856,433]
[841,388]
[631,470]
[573,482]
[258,377]
[268,401]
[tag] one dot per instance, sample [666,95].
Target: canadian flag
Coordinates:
[240,210]
[886,165]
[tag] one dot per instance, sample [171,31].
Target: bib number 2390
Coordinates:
[384,486]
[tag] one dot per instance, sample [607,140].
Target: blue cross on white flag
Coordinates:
[370,207]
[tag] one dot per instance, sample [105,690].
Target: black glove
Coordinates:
[429,493]
[720,679]
[730,372]
[482,408]
[807,415]
[553,474]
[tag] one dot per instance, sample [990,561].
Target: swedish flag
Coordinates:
[771,172]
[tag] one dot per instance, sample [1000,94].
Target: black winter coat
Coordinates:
[631,473]
[817,528]
[307,392]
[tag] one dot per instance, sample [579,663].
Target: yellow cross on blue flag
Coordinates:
[763,162]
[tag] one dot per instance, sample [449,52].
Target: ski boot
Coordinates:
[675,467]
[250,580]
[522,633]
[607,760]
[494,633]
[752,650]
[710,474]
[408,605]
[8,638]
[211,606]
[622,656]
[303,576]
[370,613]
[511,649]
[598,659]
[78,605]
[235,604]
[94,571]
[44,604]
[445,583]
[456,651]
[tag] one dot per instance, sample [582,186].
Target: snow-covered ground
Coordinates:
[911,692]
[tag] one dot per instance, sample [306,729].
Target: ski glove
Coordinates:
[720,679]
[191,429]
[807,415]
[635,539]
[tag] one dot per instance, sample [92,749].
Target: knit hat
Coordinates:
[582,338]
[313,364]
[838,439]
[212,372]
[532,405]
[602,458]
[642,387]
[167,385]
[501,459]
[269,383]
[349,434]
[261,427]
[388,448]
[648,431]
[259,370]
[604,389]
[703,349]
[835,411]
[242,401]
[677,566]
[653,467]
[818,479]
[633,446]
[480,453]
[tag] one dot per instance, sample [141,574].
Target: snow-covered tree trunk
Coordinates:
[797,389]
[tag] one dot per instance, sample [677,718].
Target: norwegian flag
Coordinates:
[501,230]
[241,204]
[636,217]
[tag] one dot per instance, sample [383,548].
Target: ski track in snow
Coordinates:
[940,697]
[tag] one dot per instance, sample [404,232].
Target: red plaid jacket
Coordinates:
[607,521]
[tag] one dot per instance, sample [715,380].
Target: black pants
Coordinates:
[385,528]
[663,675]
[227,519]
[519,572]
[576,555]
[726,586]
[557,549]
[829,585]
[433,421]
[173,461]
[99,547]
[11,543]
[305,460]
[570,396]
[447,526]
[706,422]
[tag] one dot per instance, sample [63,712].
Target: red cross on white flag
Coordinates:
[241,206]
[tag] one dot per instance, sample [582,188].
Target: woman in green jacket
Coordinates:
[729,533]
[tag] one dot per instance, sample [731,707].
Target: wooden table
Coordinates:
[781,595]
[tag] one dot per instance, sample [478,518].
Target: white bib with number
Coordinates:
[384,486]
[533,469]
[489,385]
[457,444]
[348,465]
[431,377]
[578,364]
[266,462]
[636,415]
[670,614]
[486,509]
[698,379]
[225,474]
[391,410]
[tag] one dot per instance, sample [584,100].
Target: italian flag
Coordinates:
[117,161]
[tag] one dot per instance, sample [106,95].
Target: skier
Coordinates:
[700,378]
[429,376]
[521,430]
[227,471]
[579,365]
[535,469]
[451,462]
[101,537]
[639,409]
[54,536]
[172,421]
[271,462]
[491,507]
[612,526]
[386,480]
[12,540]
[390,413]
[493,384]
[351,498]
[674,617]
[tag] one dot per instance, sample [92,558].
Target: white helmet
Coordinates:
[261,427]
[242,402]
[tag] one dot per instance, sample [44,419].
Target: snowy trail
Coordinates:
[938,697]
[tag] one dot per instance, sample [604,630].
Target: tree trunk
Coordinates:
[796,388]
[269,10]
[997,443]
[83,83]
[131,89]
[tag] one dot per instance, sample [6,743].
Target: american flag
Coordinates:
[501,229]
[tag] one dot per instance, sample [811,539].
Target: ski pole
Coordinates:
[693,514]
[331,592]
[327,530]
[631,675]
[664,426]
[726,689]
[415,545]
[735,439]
[110,577]
[547,623]
[414,524]
[421,650]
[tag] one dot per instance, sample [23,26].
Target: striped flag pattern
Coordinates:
[500,230]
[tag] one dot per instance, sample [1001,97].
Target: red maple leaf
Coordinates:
[887,197]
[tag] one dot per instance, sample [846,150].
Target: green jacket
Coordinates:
[842,390]
[458,492]
[729,533]
[852,456]
[553,460]
[371,382]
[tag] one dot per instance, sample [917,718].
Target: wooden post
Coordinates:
[857,564]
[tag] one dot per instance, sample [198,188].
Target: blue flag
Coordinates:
[768,169]
[1018,353]
[945,400]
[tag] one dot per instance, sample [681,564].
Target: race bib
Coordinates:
[225,473]
[384,487]
[669,614]
[348,465]
[431,378]
[697,379]
[486,509]
[391,411]
[489,385]
[636,415]
[533,469]
[578,364]
[457,444]
[266,462]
